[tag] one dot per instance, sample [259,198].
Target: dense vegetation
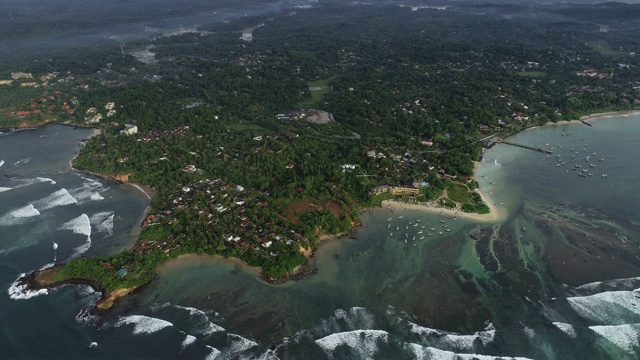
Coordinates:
[412,94]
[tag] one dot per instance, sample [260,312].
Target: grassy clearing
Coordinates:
[321,88]
[603,48]
[154,233]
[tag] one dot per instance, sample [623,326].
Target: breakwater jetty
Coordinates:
[539,149]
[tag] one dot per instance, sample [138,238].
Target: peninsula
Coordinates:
[256,149]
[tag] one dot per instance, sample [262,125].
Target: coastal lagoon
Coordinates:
[555,280]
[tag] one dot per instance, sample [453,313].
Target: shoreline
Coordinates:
[496,214]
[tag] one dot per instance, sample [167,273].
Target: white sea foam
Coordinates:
[598,285]
[143,324]
[19,216]
[354,318]
[566,328]
[214,354]
[422,352]
[239,344]
[89,191]
[624,336]
[25,212]
[103,222]
[19,183]
[365,342]
[19,291]
[188,340]
[79,225]
[453,340]
[206,326]
[22,161]
[606,307]
[58,198]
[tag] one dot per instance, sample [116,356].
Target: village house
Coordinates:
[129,129]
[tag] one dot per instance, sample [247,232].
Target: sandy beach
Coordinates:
[596,116]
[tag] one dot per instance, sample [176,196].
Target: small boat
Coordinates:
[420,232]
[397,228]
[414,244]
[407,227]
[439,232]
[400,217]
[421,237]
[430,234]
[391,234]
[604,175]
[417,221]
[389,219]
[455,218]
[442,221]
[405,241]
[592,165]
[422,227]
[432,229]
[601,159]
[524,228]
[415,225]
[388,226]
[447,230]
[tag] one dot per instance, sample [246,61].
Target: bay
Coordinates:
[557,279]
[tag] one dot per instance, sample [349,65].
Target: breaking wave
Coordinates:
[89,191]
[143,324]
[58,198]
[19,290]
[79,225]
[364,341]
[566,328]
[624,336]
[19,183]
[213,354]
[607,307]
[204,326]
[453,341]
[18,216]
[103,222]
[188,340]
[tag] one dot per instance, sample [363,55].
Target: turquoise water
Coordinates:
[555,280]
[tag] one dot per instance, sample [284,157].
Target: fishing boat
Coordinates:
[432,229]
[388,226]
[447,230]
[414,244]
[604,175]
[422,227]
[430,234]
[400,217]
[420,232]
[421,237]
[439,232]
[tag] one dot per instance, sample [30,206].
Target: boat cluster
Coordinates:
[419,235]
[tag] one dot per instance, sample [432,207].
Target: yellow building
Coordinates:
[405,190]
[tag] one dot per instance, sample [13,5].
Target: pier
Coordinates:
[542,150]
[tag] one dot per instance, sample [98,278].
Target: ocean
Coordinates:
[556,280]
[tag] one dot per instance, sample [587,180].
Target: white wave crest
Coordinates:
[27,182]
[58,198]
[188,340]
[566,328]
[239,344]
[606,307]
[19,291]
[453,340]
[22,161]
[624,336]
[206,326]
[79,225]
[19,216]
[89,191]
[365,342]
[81,249]
[143,324]
[599,285]
[214,354]
[431,353]
[354,318]
[25,212]
[103,222]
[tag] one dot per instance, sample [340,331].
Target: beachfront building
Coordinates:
[405,190]
[380,190]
